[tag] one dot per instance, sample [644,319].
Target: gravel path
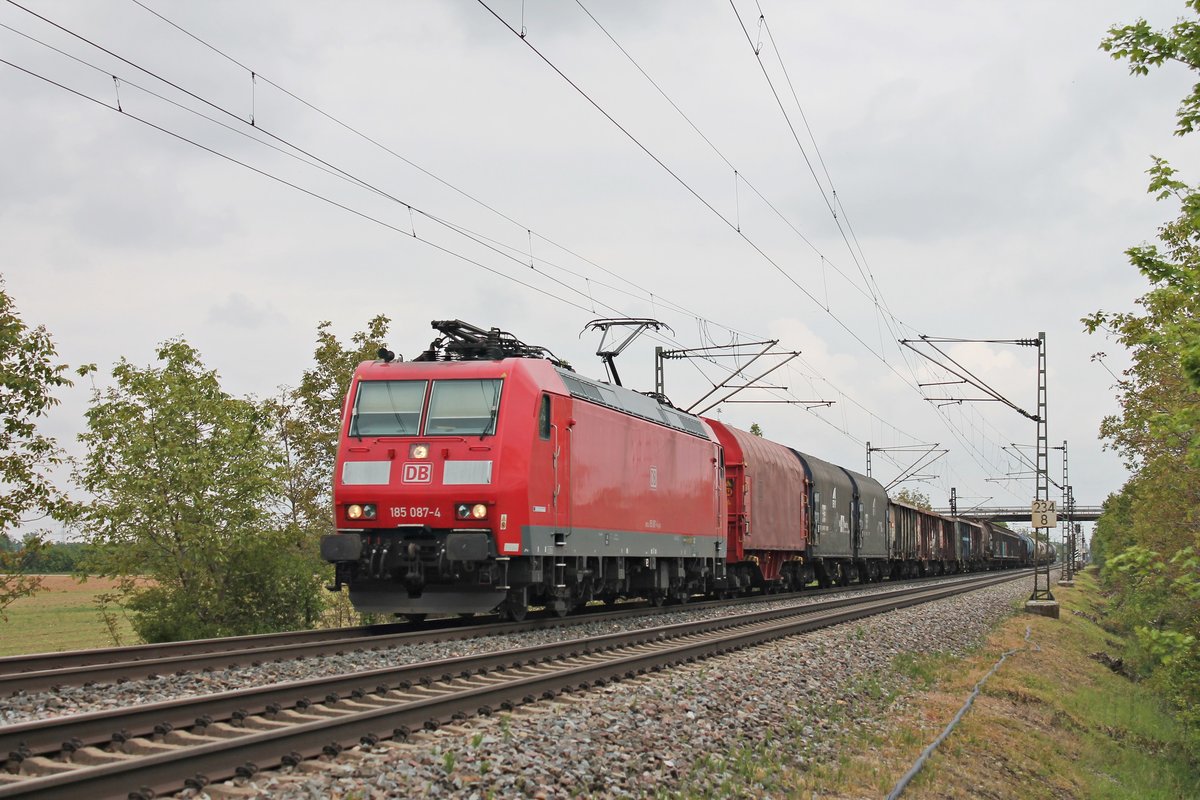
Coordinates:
[702,730]
[102,696]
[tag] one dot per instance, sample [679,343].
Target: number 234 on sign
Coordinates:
[1043,514]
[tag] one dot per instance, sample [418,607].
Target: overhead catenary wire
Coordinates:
[295,186]
[310,161]
[754,189]
[740,177]
[390,151]
[870,293]
[795,136]
[883,310]
[732,224]
[691,190]
[437,178]
[364,184]
[285,182]
[868,278]
[255,76]
[308,157]
[316,162]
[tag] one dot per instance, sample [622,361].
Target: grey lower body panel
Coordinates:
[448,572]
[538,540]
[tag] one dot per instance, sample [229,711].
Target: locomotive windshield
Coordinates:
[388,408]
[395,408]
[463,407]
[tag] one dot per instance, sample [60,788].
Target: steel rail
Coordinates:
[46,736]
[149,653]
[443,690]
[43,671]
[38,662]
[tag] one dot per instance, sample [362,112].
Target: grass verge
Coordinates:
[1056,723]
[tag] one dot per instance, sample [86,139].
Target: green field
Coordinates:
[63,616]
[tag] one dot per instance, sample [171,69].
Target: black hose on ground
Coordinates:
[902,784]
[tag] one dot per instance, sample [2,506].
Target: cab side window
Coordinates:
[544,417]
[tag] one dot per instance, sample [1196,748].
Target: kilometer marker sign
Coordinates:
[1043,513]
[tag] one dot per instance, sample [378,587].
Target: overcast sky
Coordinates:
[988,160]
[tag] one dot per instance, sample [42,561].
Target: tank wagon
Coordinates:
[485,474]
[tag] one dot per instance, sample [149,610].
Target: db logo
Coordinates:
[417,473]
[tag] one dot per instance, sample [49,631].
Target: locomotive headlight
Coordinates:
[418,451]
[471,511]
[360,511]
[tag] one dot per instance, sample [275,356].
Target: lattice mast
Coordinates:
[1041,570]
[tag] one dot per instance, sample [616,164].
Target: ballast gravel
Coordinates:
[69,700]
[704,730]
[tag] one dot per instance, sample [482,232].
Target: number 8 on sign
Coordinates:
[1042,514]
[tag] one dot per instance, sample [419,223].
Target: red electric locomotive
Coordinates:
[486,474]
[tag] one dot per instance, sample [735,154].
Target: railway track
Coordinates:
[41,671]
[163,747]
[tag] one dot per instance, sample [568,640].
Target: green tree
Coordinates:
[1158,597]
[28,376]
[1159,393]
[914,498]
[755,429]
[307,419]
[187,482]
[18,571]
[1175,269]
[1149,534]
[1143,47]
[1114,529]
[57,557]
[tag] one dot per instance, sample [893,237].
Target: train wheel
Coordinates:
[415,618]
[657,599]
[843,578]
[516,606]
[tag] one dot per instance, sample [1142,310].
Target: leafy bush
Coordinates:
[1158,599]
